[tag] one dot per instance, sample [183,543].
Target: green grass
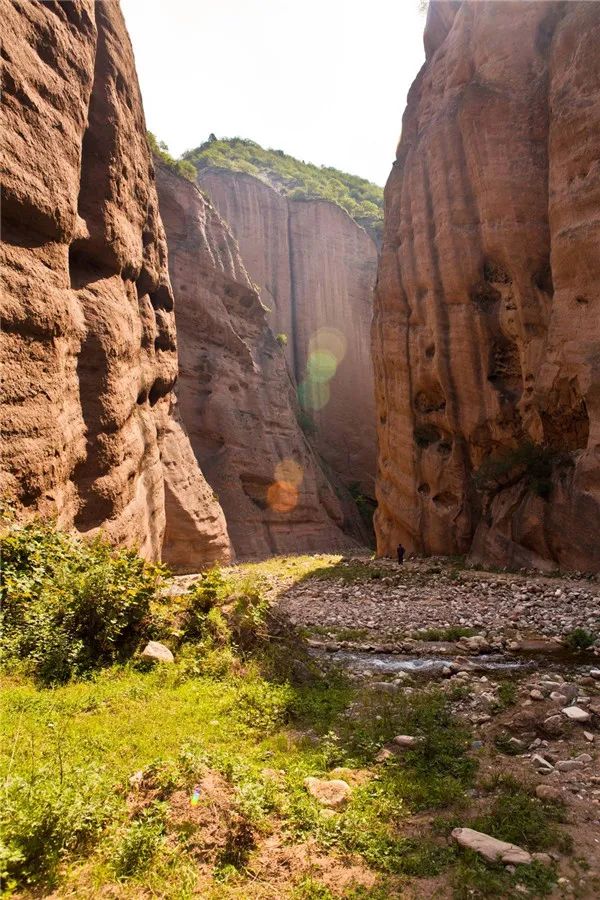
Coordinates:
[91,766]
[294,178]
[179,166]
[68,754]
[450,633]
[507,695]
[351,634]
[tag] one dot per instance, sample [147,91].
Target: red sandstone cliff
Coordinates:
[89,429]
[316,269]
[487,329]
[235,393]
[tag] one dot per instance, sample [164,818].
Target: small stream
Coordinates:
[377,663]
[391,663]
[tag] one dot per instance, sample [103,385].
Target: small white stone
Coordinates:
[491,848]
[576,714]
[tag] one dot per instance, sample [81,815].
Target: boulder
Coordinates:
[405,740]
[332,793]
[157,652]
[548,792]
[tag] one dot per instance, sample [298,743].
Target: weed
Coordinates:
[450,633]
[473,878]
[520,818]
[507,695]
[140,842]
[580,639]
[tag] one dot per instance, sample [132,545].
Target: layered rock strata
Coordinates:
[487,328]
[89,431]
[235,393]
[315,267]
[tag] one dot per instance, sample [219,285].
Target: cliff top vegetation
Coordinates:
[161,150]
[292,177]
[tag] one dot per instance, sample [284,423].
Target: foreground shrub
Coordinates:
[42,819]
[67,606]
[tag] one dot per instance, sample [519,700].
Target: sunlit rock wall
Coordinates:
[316,270]
[88,350]
[487,327]
[236,396]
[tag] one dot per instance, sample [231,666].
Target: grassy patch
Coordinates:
[519,817]
[351,634]
[507,695]
[473,878]
[450,633]
[99,772]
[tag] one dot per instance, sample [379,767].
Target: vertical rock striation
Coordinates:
[315,267]
[235,393]
[89,431]
[486,336]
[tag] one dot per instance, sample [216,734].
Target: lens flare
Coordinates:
[290,471]
[330,340]
[282,496]
[321,366]
[195,798]
[313,395]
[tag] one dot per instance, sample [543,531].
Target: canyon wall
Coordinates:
[235,393]
[486,335]
[90,430]
[315,268]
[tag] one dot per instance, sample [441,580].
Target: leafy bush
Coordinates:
[296,179]
[67,606]
[202,598]
[532,462]
[580,639]
[180,166]
[366,508]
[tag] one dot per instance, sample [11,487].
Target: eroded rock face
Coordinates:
[88,340]
[235,393]
[316,269]
[487,329]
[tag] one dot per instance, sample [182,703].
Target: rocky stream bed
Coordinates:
[517,655]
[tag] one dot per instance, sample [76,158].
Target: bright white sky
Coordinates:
[323,80]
